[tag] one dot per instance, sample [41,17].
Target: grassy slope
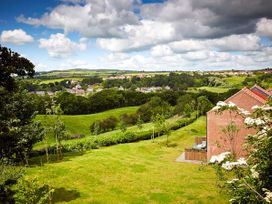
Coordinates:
[142,172]
[77,124]
[214,89]
[234,81]
[231,82]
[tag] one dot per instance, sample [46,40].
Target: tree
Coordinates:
[11,63]
[203,104]
[155,106]
[185,104]
[58,131]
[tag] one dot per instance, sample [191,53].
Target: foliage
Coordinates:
[155,106]
[203,104]
[100,140]
[29,191]
[17,131]
[185,105]
[9,174]
[107,124]
[13,64]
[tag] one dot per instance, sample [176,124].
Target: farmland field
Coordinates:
[80,124]
[209,88]
[142,172]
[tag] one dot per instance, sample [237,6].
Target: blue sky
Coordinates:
[139,35]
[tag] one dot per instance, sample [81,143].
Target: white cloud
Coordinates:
[141,36]
[17,36]
[95,18]
[58,45]
[161,50]
[264,27]
[237,43]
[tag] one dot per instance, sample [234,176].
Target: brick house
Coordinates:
[216,141]
[244,99]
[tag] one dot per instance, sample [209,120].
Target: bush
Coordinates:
[100,126]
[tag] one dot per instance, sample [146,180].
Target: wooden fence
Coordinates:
[199,140]
[196,154]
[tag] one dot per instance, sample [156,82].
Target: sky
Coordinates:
[150,35]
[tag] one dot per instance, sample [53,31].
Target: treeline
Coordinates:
[62,85]
[72,104]
[176,81]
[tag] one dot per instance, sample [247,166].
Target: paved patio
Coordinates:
[181,158]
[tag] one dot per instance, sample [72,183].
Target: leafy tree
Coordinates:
[155,106]
[203,104]
[12,64]
[185,104]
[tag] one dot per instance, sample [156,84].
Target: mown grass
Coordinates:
[80,124]
[214,89]
[142,172]
[234,81]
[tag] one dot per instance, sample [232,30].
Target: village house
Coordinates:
[216,141]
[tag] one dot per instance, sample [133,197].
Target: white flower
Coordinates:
[232,200]
[259,121]
[242,161]
[221,103]
[249,121]
[268,197]
[255,107]
[244,112]
[233,180]
[229,165]
[219,158]
[230,104]
[254,173]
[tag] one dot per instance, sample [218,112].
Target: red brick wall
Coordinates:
[215,124]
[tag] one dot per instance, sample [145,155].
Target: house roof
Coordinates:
[260,91]
[256,93]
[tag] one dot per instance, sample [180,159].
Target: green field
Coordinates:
[142,172]
[214,89]
[80,124]
[208,88]
[77,126]
[47,81]
[234,81]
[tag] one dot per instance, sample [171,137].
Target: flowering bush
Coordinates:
[249,180]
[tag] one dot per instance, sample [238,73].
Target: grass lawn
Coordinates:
[234,81]
[215,89]
[142,172]
[80,124]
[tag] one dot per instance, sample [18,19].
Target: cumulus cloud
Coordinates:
[17,37]
[177,33]
[95,18]
[58,45]
[209,18]
[141,36]
[264,27]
